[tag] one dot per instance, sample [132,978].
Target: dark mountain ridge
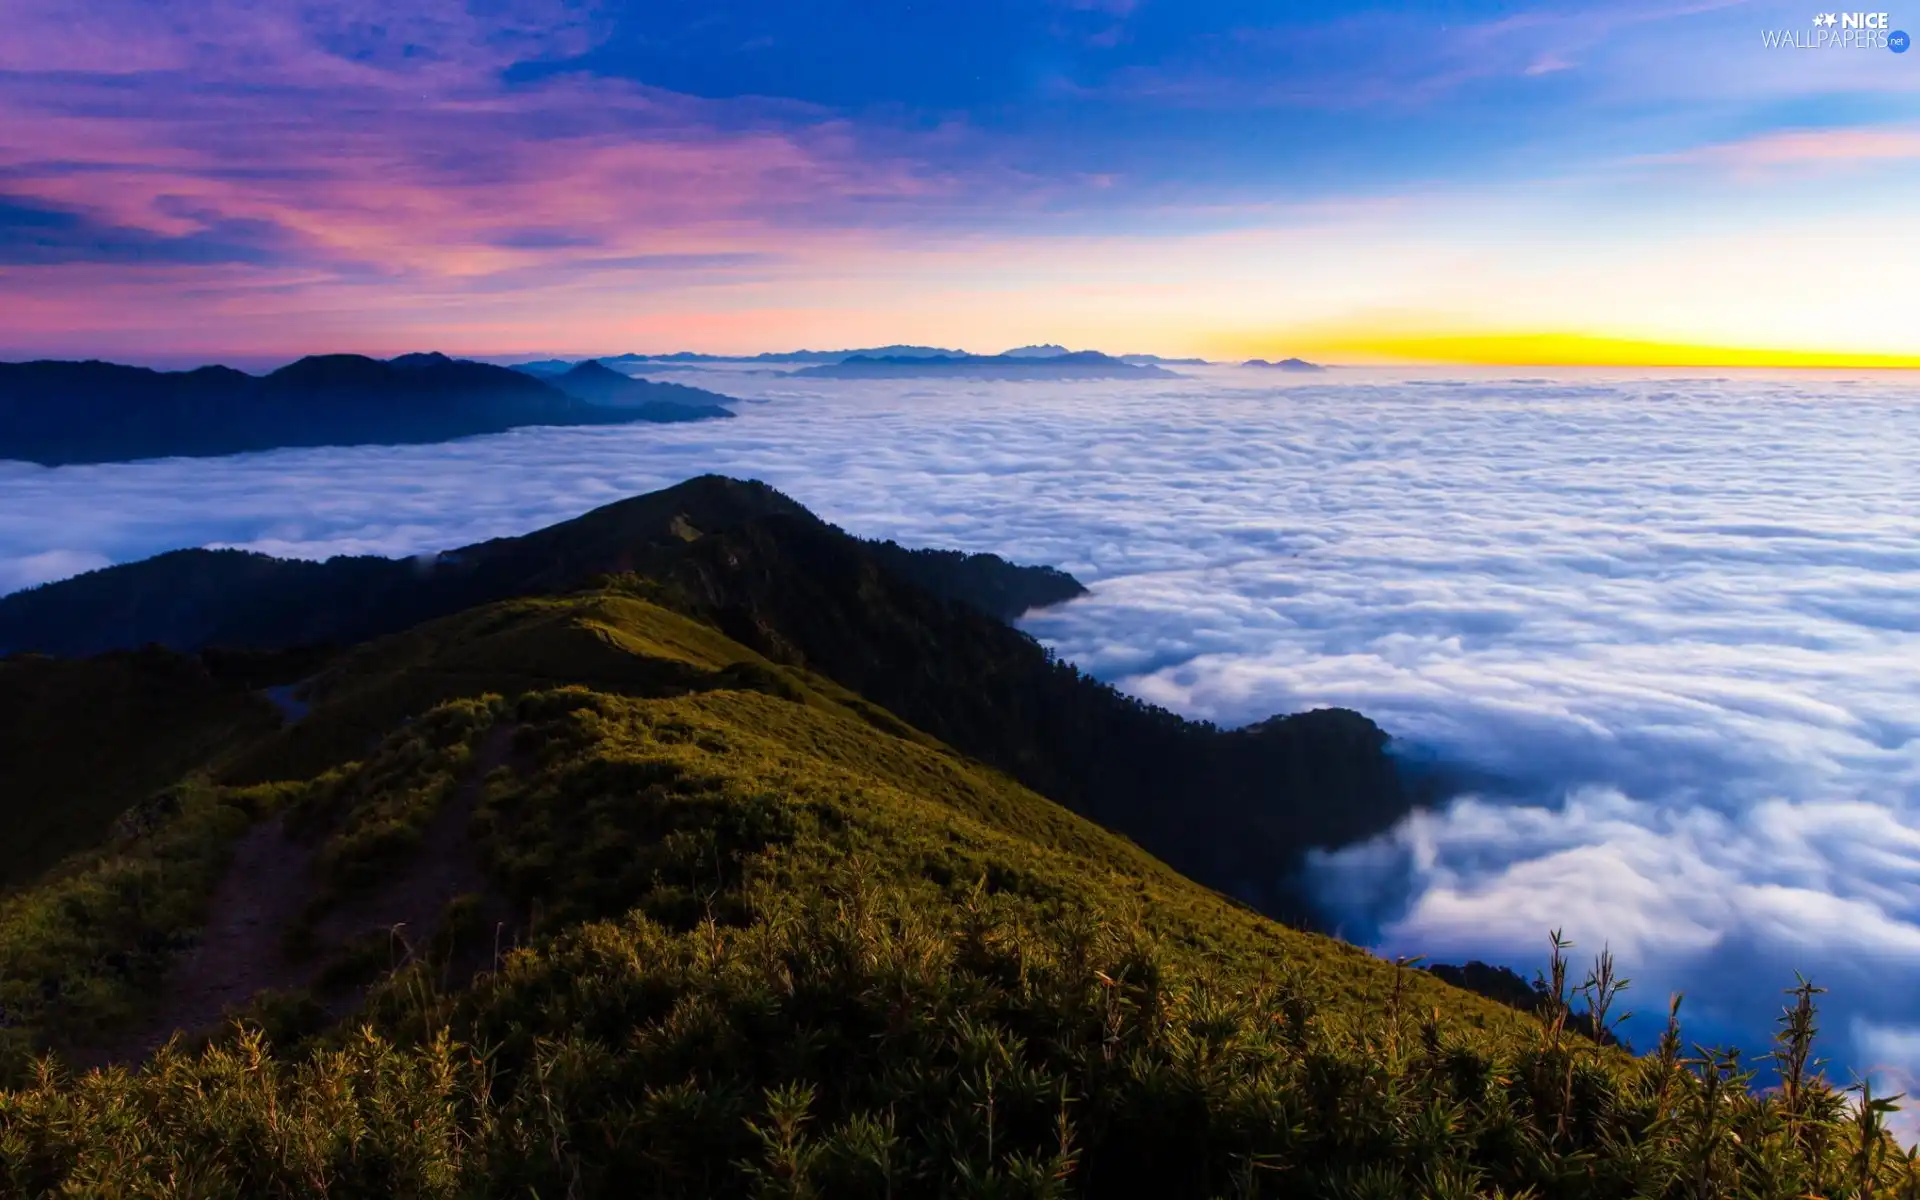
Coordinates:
[1233,809]
[921,633]
[788,356]
[645,399]
[544,368]
[188,599]
[56,413]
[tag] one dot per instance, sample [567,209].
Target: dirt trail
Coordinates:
[446,866]
[239,954]
[271,880]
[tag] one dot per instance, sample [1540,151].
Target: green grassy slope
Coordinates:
[739,934]
[1235,809]
[611,641]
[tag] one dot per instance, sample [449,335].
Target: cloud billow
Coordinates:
[1663,630]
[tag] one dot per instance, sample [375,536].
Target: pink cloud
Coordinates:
[1767,159]
[1798,147]
[236,160]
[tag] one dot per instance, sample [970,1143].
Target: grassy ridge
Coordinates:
[838,967]
[762,939]
[611,641]
[80,950]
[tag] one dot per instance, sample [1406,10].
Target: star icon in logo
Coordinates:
[1825,20]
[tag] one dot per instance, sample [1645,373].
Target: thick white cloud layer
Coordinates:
[1665,627]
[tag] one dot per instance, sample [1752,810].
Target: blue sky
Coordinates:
[189,179]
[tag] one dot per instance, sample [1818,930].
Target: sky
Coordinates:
[1635,181]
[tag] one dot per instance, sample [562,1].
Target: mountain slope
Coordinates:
[162,714]
[1233,809]
[391,729]
[192,598]
[921,634]
[788,356]
[645,399]
[697,936]
[64,412]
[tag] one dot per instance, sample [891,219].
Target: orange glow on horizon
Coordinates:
[1572,350]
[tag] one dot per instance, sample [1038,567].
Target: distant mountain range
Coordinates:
[1050,350]
[56,413]
[542,368]
[1285,364]
[1082,364]
[683,358]
[788,356]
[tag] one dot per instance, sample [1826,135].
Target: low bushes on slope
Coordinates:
[787,954]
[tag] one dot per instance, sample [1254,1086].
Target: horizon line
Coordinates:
[1547,350]
[1561,349]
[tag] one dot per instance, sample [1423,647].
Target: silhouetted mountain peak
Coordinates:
[593,368]
[1285,364]
[209,591]
[705,504]
[430,358]
[596,383]
[332,366]
[406,373]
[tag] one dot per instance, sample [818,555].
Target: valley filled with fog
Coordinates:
[1663,632]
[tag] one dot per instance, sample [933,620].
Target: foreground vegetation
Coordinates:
[852,1047]
[873,969]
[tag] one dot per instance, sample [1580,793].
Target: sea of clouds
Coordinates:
[1667,628]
